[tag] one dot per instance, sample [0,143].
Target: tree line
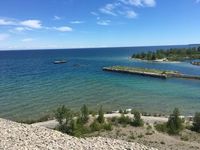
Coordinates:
[173,54]
[79,124]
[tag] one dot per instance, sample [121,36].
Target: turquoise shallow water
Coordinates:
[32,85]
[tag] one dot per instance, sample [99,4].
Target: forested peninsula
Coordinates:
[172,54]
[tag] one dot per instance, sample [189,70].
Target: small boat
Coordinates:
[59,61]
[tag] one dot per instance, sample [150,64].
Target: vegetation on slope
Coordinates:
[79,125]
[174,125]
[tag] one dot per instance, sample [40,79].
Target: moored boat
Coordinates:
[59,61]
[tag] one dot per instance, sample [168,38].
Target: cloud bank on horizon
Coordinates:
[76,23]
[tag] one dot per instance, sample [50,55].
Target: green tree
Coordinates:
[175,123]
[84,113]
[153,56]
[65,117]
[196,122]
[68,116]
[95,126]
[100,117]
[124,119]
[198,48]
[137,120]
[60,114]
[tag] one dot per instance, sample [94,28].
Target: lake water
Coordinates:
[31,85]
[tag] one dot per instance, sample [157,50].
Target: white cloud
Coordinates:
[109,9]
[77,22]
[149,3]
[27,40]
[117,9]
[125,7]
[21,25]
[104,22]
[63,29]
[35,24]
[31,24]
[56,18]
[4,36]
[94,13]
[131,14]
[144,3]
[6,22]
[20,29]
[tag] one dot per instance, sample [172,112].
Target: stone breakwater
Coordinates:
[27,137]
[164,74]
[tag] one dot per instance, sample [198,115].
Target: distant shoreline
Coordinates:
[156,61]
[76,48]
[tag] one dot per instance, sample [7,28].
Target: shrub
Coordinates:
[125,111]
[137,121]
[121,111]
[184,138]
[80,130]
[64,128]
[62,113]
[161,127]
[93,113]
[84,114]
[124,119]
[100,117]
[107,126]
[174,124]
[149,127]
[132,136]
[114,119]
[132,111]
[95,126]
[140,136]
[196,122]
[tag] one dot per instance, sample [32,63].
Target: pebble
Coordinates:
[28,137]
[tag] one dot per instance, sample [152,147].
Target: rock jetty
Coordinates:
[27,137]
[164,74]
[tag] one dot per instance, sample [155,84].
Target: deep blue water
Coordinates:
[31,85]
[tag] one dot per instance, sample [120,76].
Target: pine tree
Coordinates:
[101,118]
[174,124]
[196,122]
[137,121]
[60,114]
[84,113]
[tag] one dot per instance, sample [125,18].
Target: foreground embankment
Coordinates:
[21,136]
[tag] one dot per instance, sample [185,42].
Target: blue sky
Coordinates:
[30,24]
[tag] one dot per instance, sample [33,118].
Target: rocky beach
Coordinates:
[21,136]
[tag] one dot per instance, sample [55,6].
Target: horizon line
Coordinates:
[98,47]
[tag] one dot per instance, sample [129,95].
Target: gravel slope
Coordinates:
[27,137]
